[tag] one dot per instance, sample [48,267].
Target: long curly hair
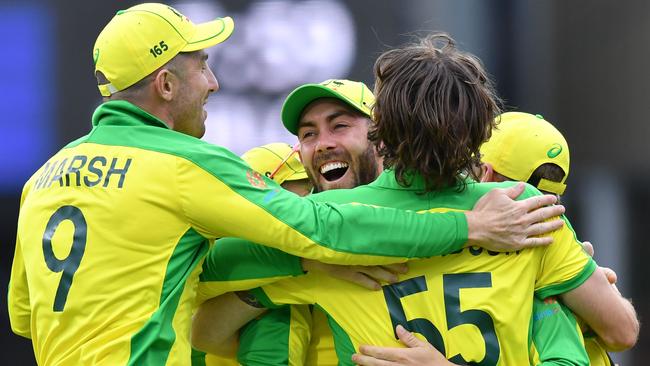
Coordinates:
[435,106]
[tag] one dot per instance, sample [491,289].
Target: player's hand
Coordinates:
[420,353]
[499,223]
[609,273]
[370,277]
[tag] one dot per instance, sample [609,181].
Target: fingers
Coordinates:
[536,202]
[397,268]
[408,338]
[544,227]
[610,274]
[514,191]
[536,242]
[382,353]
[378,274]
[362,280]
[588,247]
[544,212]
[364,360]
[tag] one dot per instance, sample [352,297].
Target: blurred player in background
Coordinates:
[523,147]
[280,161]
[114,227]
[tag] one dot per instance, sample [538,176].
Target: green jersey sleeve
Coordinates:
[556,339]
[222,197]
[234,264]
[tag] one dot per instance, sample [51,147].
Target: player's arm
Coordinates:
[221,197]
[555,336]
[18,296]
[234,264]
[218,320]
[611,316]
[18,292]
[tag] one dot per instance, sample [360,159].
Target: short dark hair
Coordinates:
[435,106]
[548,171]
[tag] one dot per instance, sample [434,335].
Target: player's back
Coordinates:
[472,304]
[108,252]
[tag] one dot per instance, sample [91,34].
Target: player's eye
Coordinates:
[307,134]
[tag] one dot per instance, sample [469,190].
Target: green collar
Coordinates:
[387,180]
[123,113]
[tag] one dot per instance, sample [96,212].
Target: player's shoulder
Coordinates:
[480,189]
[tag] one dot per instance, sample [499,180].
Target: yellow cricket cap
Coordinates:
[278,161]
[354,93]
[520,143]
[140,39]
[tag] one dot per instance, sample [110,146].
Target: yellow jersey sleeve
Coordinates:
[565,264]
[18,292]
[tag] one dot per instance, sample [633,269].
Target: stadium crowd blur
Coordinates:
[581,64]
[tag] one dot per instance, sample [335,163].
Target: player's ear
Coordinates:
[487,173]
[166,84]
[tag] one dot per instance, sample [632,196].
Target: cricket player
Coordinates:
[114,227]
[523,147]
[430,98]
[345,159]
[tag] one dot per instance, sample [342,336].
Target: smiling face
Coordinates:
[197,82]
[334,146]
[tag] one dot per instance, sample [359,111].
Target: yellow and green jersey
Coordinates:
[555,336]
[473,305]
[114,227]
[598,355]
[321,351]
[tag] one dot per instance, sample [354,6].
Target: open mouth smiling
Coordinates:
[333,170]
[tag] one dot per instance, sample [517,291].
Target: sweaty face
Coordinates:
[196,83]
[334,146]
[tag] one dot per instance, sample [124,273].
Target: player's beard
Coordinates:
[364,169]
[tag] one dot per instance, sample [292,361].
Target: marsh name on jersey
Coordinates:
[82,170]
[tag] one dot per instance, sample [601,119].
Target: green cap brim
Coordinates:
[301,97]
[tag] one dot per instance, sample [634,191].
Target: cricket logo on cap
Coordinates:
[177,13]
[336,85]
[554,151]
